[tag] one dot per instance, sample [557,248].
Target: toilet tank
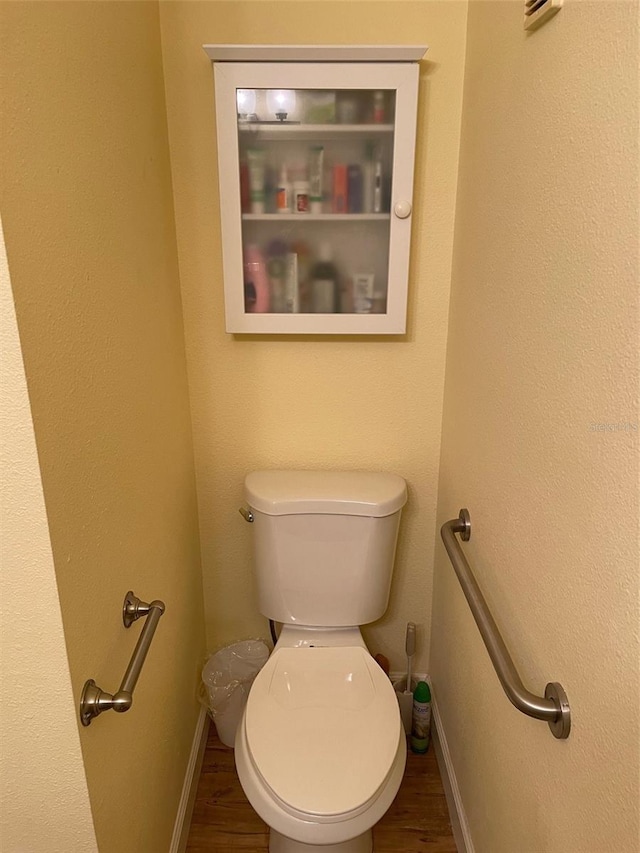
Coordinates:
[324,544]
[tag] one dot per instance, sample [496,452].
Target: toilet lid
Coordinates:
[323,728]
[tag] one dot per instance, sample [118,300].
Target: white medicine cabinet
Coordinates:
[316,153]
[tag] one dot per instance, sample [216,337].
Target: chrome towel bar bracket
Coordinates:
[554,707]
[94,700]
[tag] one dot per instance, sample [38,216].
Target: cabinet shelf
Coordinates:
[271,130]
[316,217]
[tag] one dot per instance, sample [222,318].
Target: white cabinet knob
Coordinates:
[402,209]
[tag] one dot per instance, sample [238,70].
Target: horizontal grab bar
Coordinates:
[94,700]
[554,707]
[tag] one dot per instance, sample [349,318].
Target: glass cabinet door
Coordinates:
[315,186]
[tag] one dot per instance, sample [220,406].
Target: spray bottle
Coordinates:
[421,720]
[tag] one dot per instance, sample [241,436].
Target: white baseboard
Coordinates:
[457,814]
[190,786]
[459,823]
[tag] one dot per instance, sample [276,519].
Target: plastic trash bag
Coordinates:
[227,677]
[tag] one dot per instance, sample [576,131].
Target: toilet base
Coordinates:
[281,844]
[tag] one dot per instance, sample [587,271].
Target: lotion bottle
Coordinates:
[256,281]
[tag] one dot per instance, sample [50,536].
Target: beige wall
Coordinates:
[543,345]
[87,209]
[31,760]
[300,402]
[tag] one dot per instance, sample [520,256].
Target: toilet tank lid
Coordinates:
[325,492]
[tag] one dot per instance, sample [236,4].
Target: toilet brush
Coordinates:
[410,648]
[405,696]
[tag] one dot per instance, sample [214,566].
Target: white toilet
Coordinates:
[320,749]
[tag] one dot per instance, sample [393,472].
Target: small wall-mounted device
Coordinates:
[536,12]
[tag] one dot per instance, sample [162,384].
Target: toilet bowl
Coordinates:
[320,749]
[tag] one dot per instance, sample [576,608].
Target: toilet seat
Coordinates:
[323,729]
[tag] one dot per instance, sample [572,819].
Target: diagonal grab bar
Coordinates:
[94,700]
[554,707]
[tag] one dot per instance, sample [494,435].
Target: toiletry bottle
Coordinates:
[378,107]
[377,185]
[421,718]
[368,178]
[325,287]
[301,197]
[354,188]
[257,174]
[316,168]
[283,192]
[363,292]
[347,108]
[276,269]
[292,290]
[339,203]
[303,254]
[256,281]
[277,251]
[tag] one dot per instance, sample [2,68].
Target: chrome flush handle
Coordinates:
[246,514]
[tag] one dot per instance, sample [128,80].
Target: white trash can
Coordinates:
[227,677]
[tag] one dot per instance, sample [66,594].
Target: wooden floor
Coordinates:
[223,820]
